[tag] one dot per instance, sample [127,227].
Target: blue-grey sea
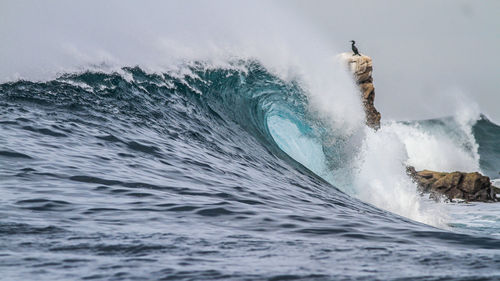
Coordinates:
[220,175]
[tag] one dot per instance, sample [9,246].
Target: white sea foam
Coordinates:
[435,149]
[382,179]
[446,146]
[378,166]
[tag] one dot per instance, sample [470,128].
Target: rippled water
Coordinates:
[143,176]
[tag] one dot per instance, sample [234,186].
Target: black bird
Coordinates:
[354,49]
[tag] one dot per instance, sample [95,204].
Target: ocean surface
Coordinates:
[215,173]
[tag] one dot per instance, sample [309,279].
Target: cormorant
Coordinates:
[354,49]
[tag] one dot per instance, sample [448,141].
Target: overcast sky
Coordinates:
[425,52]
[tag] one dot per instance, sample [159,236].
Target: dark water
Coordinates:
[137,176]
[487,135]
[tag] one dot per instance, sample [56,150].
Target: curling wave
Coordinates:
[144,166]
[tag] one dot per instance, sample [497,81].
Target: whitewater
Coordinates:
[161,149]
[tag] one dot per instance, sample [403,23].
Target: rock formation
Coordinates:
[455,185]
[361,68]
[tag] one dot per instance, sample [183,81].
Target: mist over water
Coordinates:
[423,51]
[160,36]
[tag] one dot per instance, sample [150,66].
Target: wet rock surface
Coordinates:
[455,185]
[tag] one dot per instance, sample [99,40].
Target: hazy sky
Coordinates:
[428,55]
[425,52]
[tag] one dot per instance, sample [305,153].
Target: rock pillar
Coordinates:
[361,67]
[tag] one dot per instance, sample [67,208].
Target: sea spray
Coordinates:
[434,147]
[382,179]
[446,144]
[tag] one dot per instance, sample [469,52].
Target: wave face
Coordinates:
[487,135]
[220,173]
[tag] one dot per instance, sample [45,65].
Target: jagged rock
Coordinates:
[361,67]
[455,185]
